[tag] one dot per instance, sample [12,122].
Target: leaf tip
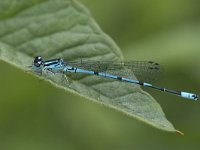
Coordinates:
[179,133]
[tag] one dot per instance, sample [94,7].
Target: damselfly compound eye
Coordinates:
[37,61]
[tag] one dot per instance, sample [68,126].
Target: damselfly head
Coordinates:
[37,62]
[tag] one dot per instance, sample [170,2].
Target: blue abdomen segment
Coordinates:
[189,95]
[107,75]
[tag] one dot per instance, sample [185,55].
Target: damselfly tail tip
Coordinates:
[189,95]
[196,97]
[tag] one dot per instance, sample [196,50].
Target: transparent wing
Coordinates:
[143,70]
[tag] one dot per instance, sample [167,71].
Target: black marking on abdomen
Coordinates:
[72,68]
[141,83]
[119,78]
[96,73]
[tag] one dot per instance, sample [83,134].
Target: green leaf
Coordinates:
[64,28]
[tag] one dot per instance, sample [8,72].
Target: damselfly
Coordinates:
[102,68]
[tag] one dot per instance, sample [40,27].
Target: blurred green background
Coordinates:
[41,117]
